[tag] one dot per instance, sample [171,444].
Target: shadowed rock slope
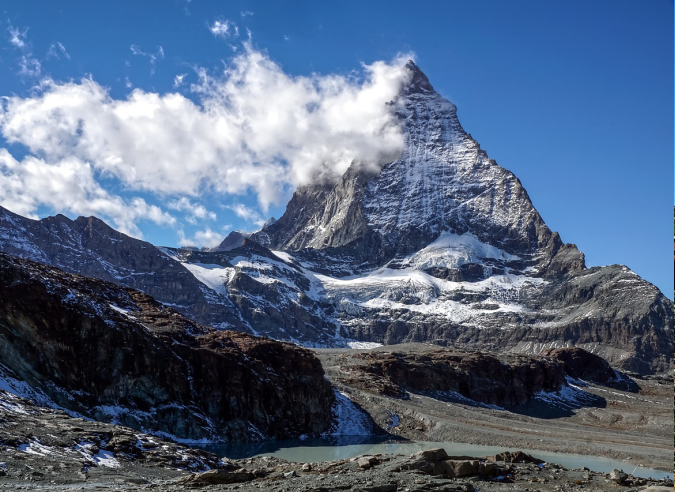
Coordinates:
[117,355]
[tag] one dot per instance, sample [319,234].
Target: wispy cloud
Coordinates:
[57,50]
[194,211]
[17,37]
[153,57]
[29,66]
[205,237]
[246,13]
[224,29]
[178,79]
[247,213]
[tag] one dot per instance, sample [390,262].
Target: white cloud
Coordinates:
[178,79]
[206,237]
[254,129]
[29,66]
[224,29]
[69,186]
[246,213]
[195,211]
[246,13]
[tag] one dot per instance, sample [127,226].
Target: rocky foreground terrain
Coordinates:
[45,449]
[59,453]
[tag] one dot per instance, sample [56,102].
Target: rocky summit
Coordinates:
[440,245]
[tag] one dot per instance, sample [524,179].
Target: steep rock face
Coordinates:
[482,377]
[118,355]
[274,297]
[442,182]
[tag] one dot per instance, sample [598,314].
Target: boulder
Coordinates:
[618,476]
[436,454]
[460,468]
[216,477]
[515,457]
[366,462]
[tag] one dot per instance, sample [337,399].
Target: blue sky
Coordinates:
[574,97]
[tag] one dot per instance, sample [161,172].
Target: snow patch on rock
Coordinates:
[348,419]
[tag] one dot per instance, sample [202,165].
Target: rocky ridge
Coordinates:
[486,378]
[115,354]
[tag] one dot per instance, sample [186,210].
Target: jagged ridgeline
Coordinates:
[441,245]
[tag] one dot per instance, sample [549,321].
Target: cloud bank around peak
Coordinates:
[252,128]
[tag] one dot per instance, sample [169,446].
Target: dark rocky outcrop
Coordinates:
[581,364]
[116,354]
[506,380]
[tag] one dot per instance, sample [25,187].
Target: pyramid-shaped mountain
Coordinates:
[442,183]
[441,245]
